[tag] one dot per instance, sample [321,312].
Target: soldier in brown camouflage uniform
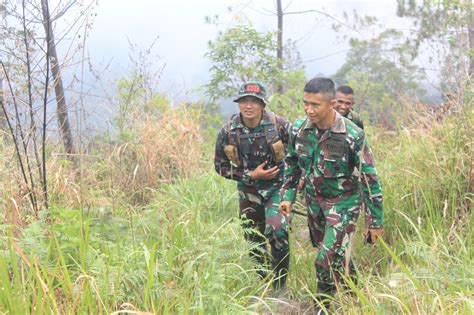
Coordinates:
[250,149]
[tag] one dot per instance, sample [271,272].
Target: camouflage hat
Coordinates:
[253,88]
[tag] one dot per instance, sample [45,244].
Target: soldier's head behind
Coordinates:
[344,100]
[345,89]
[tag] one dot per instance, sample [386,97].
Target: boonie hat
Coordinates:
[253,88]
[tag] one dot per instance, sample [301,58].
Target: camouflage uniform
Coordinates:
[356,118]
[326,160]
[258,200]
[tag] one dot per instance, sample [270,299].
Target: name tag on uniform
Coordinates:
[336,146]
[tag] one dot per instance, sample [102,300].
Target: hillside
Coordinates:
[181,250]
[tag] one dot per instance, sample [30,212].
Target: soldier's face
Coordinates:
[344,103]
[251,107]
[317,107]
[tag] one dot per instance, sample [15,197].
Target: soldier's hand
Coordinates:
[285,207]
[261,174]
[371,235]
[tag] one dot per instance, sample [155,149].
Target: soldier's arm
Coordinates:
[222,164]
[292,171]
[371,188]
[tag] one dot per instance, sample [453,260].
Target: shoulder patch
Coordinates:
[353,130]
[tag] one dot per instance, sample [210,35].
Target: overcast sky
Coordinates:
[183,34]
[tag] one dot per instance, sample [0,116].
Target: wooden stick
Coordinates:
[299,212]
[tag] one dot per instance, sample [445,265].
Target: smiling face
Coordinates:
[344,103]
[251,109]
[319,109]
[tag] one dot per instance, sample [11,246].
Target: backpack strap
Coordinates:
[234,134]
[271,130]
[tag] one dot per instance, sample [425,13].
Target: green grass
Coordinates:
[184,252]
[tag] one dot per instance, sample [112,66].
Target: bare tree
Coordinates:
[280,13]
[280,42]
[20,144]
[447,28]
[62,110]
[3,122]
[471,40]
[30,64]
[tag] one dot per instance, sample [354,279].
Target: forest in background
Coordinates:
[135,219]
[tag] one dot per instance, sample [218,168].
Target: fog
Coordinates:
[182,34]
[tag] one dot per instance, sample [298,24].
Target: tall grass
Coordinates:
[425,264]
[182,253]
[183,250]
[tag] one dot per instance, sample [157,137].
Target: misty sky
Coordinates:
[183,34]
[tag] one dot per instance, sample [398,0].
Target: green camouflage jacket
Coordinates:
[355,117]
[253,149]
[327,161]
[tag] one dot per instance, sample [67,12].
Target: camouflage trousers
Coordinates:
[262,221]
[332,223]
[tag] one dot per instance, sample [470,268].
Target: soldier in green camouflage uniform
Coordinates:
[324,149]
[250,149]
[345,103]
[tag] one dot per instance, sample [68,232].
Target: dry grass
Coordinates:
[161,150]
[170,146]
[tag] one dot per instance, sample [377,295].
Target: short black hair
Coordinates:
[345,89]
[324,86]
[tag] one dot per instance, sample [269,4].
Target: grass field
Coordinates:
[183,250]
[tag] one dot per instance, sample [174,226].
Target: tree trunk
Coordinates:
[62,111]
[471,40]
[3,121]
[280,43]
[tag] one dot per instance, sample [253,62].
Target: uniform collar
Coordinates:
[308,124]
[236,122]
[337,127]
[265,119]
